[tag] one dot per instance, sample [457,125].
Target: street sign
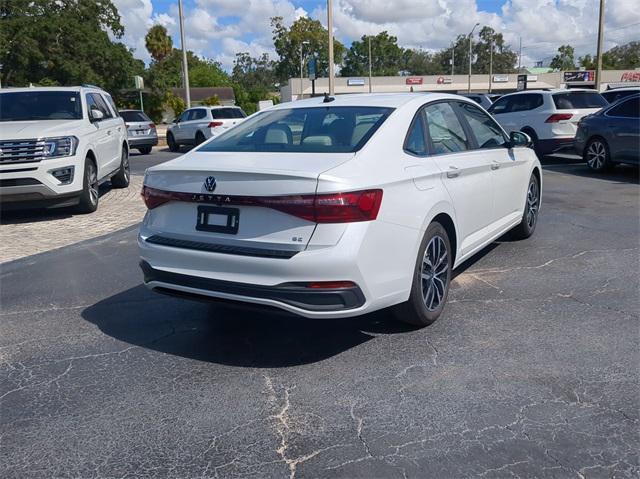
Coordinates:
[500,78]
[413,81]
[311,68]
[139,81]
[355,81]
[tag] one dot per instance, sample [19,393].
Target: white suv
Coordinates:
[198,124]
[58,144]
[549,117]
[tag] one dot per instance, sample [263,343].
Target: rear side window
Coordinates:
[303,130]
[416,143]
[628,108]
[445,131]
[526,102]
[578,99]
[502,105]
[134,116]
[198,114]
[112,104]
[487,132]
[227,113]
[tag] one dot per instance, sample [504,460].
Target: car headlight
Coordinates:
[59,147]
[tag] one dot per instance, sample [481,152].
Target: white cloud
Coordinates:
[219,29]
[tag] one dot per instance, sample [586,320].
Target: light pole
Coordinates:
[453,59]
[302,66]
[599,52]
[370,64]
[185,67]
[490,65]
[330,28]
[470,56]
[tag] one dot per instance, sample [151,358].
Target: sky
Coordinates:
[218,29]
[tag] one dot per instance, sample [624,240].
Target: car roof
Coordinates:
[623,88]
[550,91]
[214,107]
[388,100]
[53,88]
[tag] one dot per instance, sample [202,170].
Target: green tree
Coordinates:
[564,60]
[621,57]
[442,58]
[64,42]
[254,72]
[386,56]
[158,43]
[420,62]
[287,43]
[504,60]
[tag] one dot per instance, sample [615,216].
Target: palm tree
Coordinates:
[158,43]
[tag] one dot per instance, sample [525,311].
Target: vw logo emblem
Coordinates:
[210,183]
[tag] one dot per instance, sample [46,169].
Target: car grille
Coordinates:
[21,151]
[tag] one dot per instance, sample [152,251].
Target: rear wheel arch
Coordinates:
[449,226]
[529,131]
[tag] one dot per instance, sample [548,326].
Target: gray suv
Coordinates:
[141,131]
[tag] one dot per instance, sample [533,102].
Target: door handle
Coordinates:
[495,165]
[453,172]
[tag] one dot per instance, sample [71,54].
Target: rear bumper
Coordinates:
[141,142]
[556,145]
[294,295]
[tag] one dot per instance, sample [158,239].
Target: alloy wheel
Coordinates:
[434,274]
[125,164]
[532,203]
[596,155]
[92,181]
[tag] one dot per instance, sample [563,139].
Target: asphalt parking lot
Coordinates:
[531,371]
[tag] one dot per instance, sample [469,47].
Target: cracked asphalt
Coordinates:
[532,371]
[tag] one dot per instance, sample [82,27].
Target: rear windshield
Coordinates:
[226,113]
[40,105]
[303,130]
[134,116]
[578,99]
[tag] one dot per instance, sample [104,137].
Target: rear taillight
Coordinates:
[152,126]
[331,285]
[556,117]
[327,208]
[213,124]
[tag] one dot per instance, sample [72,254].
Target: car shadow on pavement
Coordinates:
[34,215]
[620,173]
[230,335]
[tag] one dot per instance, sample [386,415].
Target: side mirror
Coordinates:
[96,115]
[518,138]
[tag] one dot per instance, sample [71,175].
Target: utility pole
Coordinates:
[185,67]
[470,56]
[453,58]
[520,56]
[331,65]
[490,65]
[302,68]
[369,63]
[599,52]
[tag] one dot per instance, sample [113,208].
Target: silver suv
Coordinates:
[198,124]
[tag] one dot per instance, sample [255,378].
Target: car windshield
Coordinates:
[304,130]
[134,117]
[40,105]
[579,99]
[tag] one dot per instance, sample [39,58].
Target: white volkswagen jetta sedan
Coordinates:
[335,207]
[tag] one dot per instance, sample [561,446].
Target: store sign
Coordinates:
[413,81]
[630,76]
[522,82]
[581,76]
[355,82]
[531,78]
[500,78]
[443,80]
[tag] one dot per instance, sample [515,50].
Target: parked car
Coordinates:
[481,99]
[198,124]
[612,135]
[340,206]
[58,144]
[549,117]
[615,94]
[141,131]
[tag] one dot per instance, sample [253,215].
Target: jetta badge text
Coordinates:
[210,183]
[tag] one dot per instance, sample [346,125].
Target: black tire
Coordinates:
[596,155]
[121,178]
[171,143]
[90,197]
[199,138]
[429,283]
[146,150]
[531,209]
[535,141]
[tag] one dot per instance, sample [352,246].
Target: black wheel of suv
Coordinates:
[531,209]
[145,151]
[596,154]
[121,178]
[199,138]
[89,197]
[431,278]
[171,143]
